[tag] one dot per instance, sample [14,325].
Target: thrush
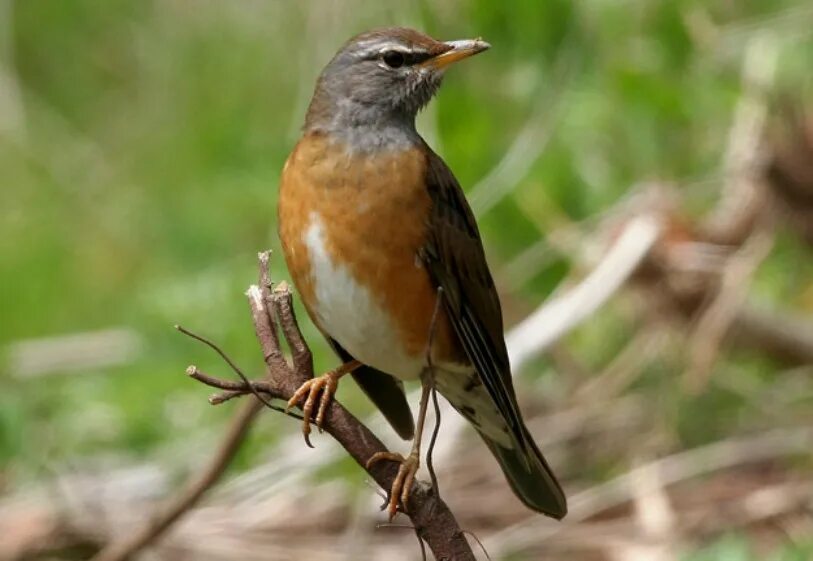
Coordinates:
[386,255]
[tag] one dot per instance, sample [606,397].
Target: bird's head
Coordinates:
[383,76]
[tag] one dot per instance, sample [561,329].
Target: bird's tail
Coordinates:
[530,476]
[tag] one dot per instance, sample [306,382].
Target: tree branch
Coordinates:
[432,519]
[271,309]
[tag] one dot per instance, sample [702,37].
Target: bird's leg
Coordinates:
[308,393]
[408,466]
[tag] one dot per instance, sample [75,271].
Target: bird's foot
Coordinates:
[318,393]
[402,485]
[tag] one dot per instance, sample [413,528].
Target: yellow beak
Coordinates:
[458,51]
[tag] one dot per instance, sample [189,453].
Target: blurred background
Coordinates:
[663,150]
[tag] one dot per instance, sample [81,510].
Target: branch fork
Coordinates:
[272,312]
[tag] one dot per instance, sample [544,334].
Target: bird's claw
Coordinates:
[308,393]
[402,484]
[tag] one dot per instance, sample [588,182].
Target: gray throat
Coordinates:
[363,128]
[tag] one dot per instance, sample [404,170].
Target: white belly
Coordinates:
[348,312]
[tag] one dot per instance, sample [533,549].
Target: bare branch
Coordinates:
[433,521]
[228,361]
[284,309]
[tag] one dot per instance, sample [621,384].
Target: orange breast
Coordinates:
[373,209]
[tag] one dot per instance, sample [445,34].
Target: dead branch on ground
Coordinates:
[186,499]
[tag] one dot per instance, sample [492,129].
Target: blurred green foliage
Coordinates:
[141,144]
[734,548]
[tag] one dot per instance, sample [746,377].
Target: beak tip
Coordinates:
[456,51]
[469,46]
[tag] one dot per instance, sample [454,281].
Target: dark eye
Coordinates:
[394,59]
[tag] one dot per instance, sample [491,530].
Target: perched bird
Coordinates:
[387,258]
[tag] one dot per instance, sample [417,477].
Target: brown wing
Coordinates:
[456,261]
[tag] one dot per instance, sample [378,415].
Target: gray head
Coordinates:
[381,79]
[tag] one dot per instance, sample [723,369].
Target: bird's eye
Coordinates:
[394,59]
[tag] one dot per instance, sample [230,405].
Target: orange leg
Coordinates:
[402,485]
[326,384]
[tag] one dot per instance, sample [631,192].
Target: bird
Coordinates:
[386,256]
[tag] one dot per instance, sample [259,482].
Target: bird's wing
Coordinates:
[385,391]
[456,261]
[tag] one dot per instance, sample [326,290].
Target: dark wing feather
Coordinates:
[456,261]
[385,391]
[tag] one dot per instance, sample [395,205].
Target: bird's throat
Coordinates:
[360,128]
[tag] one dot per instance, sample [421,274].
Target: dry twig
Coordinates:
[716,319]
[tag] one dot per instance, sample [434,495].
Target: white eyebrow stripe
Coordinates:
[368,48]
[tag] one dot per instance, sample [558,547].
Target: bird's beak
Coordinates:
[458,50]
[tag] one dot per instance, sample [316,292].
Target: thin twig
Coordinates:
[195,373]
[215,348]
[479,542]
[236,389]
[223,397]
[718,317]
[276,359]
[300,352]
[228,361]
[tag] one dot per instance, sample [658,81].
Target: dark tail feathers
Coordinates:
[530,477]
